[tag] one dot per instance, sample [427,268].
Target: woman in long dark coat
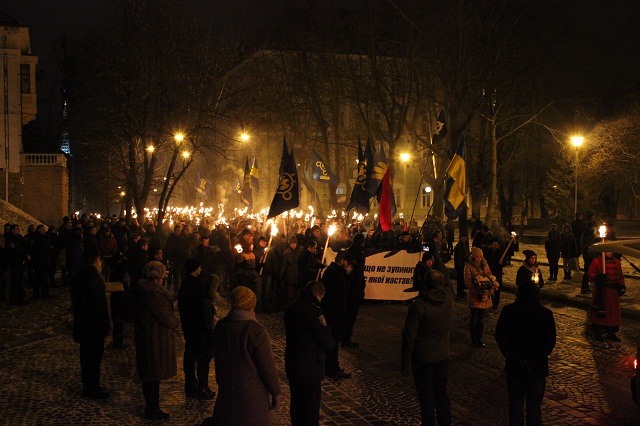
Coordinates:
[248,385]
[154,334]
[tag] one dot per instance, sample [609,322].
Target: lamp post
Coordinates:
[405,159]
[577,142]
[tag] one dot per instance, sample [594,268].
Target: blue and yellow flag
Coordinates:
[255,178]
[376,168]
[455,190]
[203,186]
[246,196]
[321,171]
[287,195]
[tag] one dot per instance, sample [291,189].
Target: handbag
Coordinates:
[113,286]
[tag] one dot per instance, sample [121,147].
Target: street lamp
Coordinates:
[577,142]
[244,137]
[179,137]
[405,159]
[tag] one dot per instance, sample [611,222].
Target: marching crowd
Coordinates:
[191,264]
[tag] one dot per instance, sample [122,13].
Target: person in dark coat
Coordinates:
[526,335]
[248,384]
[493,257]
[196,318]
[40,252]
[90,322]
[355,291]
[568,250]
[461,254]
[308,264]
[18,256]
[154,332]
[426,338]
[586,240]
[289,270]
[334,305]
[552,247]
[529,271]
[137,257]
[308,339]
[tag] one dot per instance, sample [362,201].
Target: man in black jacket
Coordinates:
[334,305]
[90,322]
[526,335]
[426,340]
[196,318]
[308,341]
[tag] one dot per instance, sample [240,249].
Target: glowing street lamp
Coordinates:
[179,137]
[244,137]
[577,143]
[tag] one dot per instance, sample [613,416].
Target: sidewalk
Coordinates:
[568,291]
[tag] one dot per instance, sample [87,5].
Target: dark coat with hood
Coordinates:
[154,332]
[426,334]
[334,303]
[245,371]
[526,335]
[308,340]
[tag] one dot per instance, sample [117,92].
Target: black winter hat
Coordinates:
[528,254]
[191,264]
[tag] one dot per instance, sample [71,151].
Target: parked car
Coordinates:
[629,248]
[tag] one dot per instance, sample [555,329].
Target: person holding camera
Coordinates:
[481,285]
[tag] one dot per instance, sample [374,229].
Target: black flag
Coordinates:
[359,195]
[246,196]
[321,171]
[287,194]
[285,157]
[440,131]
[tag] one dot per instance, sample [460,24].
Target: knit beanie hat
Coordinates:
[242,298]
[528,254]
[191,264]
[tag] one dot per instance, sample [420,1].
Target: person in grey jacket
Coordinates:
[426,347]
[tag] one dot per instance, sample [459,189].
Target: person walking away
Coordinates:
[248,384]
[568,250]
[426,339]
[308,340]
[196,317]
[289,271]
[481,285]
[154,332]
[606,315]
[493,257]
[552,246]
[40,260]
[334,306]
[18,257]
[529,271]
[90,322]
[526,335]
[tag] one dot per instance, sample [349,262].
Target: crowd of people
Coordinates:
[191,264]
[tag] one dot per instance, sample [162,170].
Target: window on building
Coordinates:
[25,78]
[426,195]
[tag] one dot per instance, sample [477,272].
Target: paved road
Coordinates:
[39,373]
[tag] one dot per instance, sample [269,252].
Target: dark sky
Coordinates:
[601,49]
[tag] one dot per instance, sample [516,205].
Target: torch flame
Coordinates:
[602,231]
[238,248]
[274,230]
[332,229]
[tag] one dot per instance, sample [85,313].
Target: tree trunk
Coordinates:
[493,190]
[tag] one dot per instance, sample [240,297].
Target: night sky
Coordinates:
[600,39]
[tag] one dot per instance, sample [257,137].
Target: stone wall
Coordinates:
[45,187]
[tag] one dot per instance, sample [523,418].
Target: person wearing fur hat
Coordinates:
[530,271]
[481,285]
[248,384]
[196,318]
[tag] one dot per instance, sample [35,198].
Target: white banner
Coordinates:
[387,276]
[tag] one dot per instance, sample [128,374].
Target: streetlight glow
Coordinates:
[427,189]
[577,140]
[179,137]
[185,154]
[244,137]
[150,148]
[405,157]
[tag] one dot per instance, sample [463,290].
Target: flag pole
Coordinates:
[415,203]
